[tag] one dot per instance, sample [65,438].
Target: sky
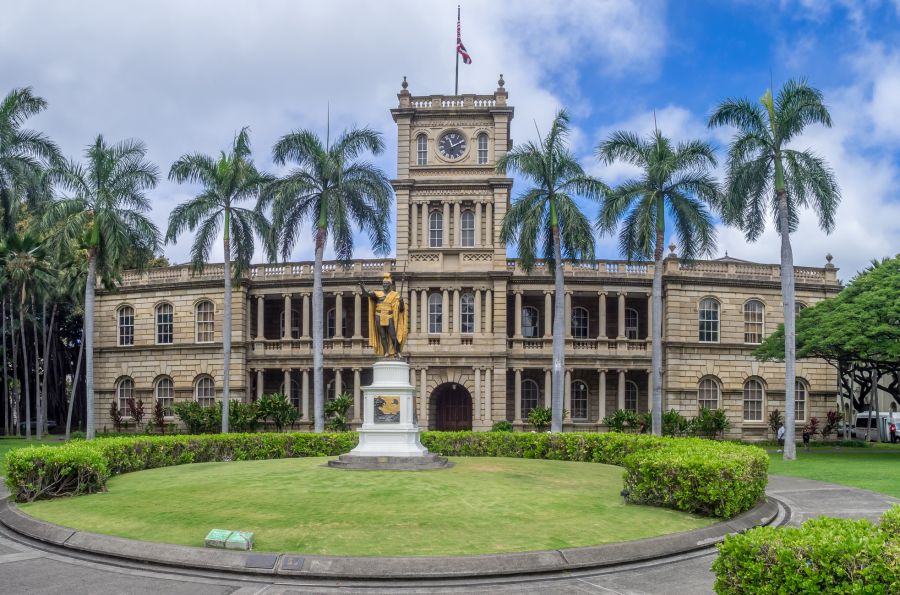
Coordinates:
[184,77]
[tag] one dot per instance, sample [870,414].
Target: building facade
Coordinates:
[480,328]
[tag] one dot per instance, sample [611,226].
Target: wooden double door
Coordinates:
[453,408]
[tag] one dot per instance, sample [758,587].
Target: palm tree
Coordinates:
[226,181]
[331,189]
[105,215]
[546,218]
[765,176]
[674,179]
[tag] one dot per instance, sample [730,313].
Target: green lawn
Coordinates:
[877,470]
[8,444]
[482,505]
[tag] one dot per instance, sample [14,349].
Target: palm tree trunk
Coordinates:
[39,423]
[656,337]
[559,337]
[15,369]
[318,336]
[787,297]
[89,343]
[25,368]
[7,399]
[48,337]
[226,327]
[74,388]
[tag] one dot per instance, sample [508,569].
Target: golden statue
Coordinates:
[388,324]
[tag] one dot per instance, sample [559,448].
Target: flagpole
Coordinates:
[456,51]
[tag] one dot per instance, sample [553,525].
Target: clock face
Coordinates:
[452,145]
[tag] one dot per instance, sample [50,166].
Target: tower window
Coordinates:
[467,314]
[482,148]
[435,313]
[421,150]
[467,229]
[435,229]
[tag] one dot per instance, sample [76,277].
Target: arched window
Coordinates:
[467,229]
[631,395]
[579,400]
[754,313]
[708,394]
[435,229]
[709,320]
[124,392]
[753,400]
[580,319]
[295,324]
[205,391]
[421,150]
[126,325]
[530,322]
[165,323]
[800,395]
[164,392]
[467,313]
[482,148]
[205,322]
[531,395]
[631,323]
[435,313]
[331,328]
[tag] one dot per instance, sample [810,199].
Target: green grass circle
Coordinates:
[480,506]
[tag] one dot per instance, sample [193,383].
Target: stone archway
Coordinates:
[452,407]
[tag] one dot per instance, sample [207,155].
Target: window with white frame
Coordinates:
[467,313]
[709,320]
[126,325]
[580,320]
[579,400]
[124,392]
[754,313]
[530,322]
[205,322]
[631,395]
[708,394]
[435,229]
[421,150]
[165,323]
[531,395]
[164,393]
[205,391]
[467,229]
[753,400]
[330,324]
[631,324]
[800,394]
[435,313]
[482,148]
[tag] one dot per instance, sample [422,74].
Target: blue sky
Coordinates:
[185,76]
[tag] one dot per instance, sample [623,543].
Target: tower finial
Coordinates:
[501,82]
[404,84]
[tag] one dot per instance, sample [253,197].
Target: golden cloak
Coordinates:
[387,311]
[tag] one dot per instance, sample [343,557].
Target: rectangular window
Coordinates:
[126,326]
[205,323]
[164,324]
[435,313]
[467,314]
[482,149]
[800,401]
[421,150]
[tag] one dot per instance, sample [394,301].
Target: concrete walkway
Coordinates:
[34,568]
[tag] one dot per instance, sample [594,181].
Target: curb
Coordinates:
[385,568]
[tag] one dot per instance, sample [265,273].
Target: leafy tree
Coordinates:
[540,418]
[337,409]
[278,409]
[104,215]
[674,180]
[546,221]
[331,189]
[226,181]
[766,176]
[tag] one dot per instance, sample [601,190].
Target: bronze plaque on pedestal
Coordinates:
[387,410]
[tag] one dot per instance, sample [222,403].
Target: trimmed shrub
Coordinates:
[824,555]
[502,426]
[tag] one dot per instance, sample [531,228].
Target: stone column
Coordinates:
[305,330]
[423,398]
[260,317]
[489,230]
[621,321]
[568,320]
[357,403]
[649,390]
[477,412]
[413,382]
[488,413]
[287,383]
[517,315]
[445,229]
[518,396]
[548,387]
[478,224]
[413,311]
[259,383]
[567,394]
[601,315]
[426,234]
[338,315]
[424,311]
[489,312]
[338,386]
[457,234]
[649,316]
[548,314]
[304,395]
[477,328]
[445,312]
[287,317]
[357,315]
[601,393]
[457,319]
[621,395]
[414,222]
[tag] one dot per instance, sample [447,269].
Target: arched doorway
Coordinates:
[452,407]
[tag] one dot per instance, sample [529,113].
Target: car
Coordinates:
[878,429]
[51,425]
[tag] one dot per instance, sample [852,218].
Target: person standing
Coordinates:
[780,436]
[893,431]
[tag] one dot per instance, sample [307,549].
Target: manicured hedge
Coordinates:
[689,474]
[824,555]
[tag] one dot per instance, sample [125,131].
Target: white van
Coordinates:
[880,431]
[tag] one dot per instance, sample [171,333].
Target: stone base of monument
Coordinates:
[389,435]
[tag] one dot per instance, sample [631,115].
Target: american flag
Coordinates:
[460,48]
